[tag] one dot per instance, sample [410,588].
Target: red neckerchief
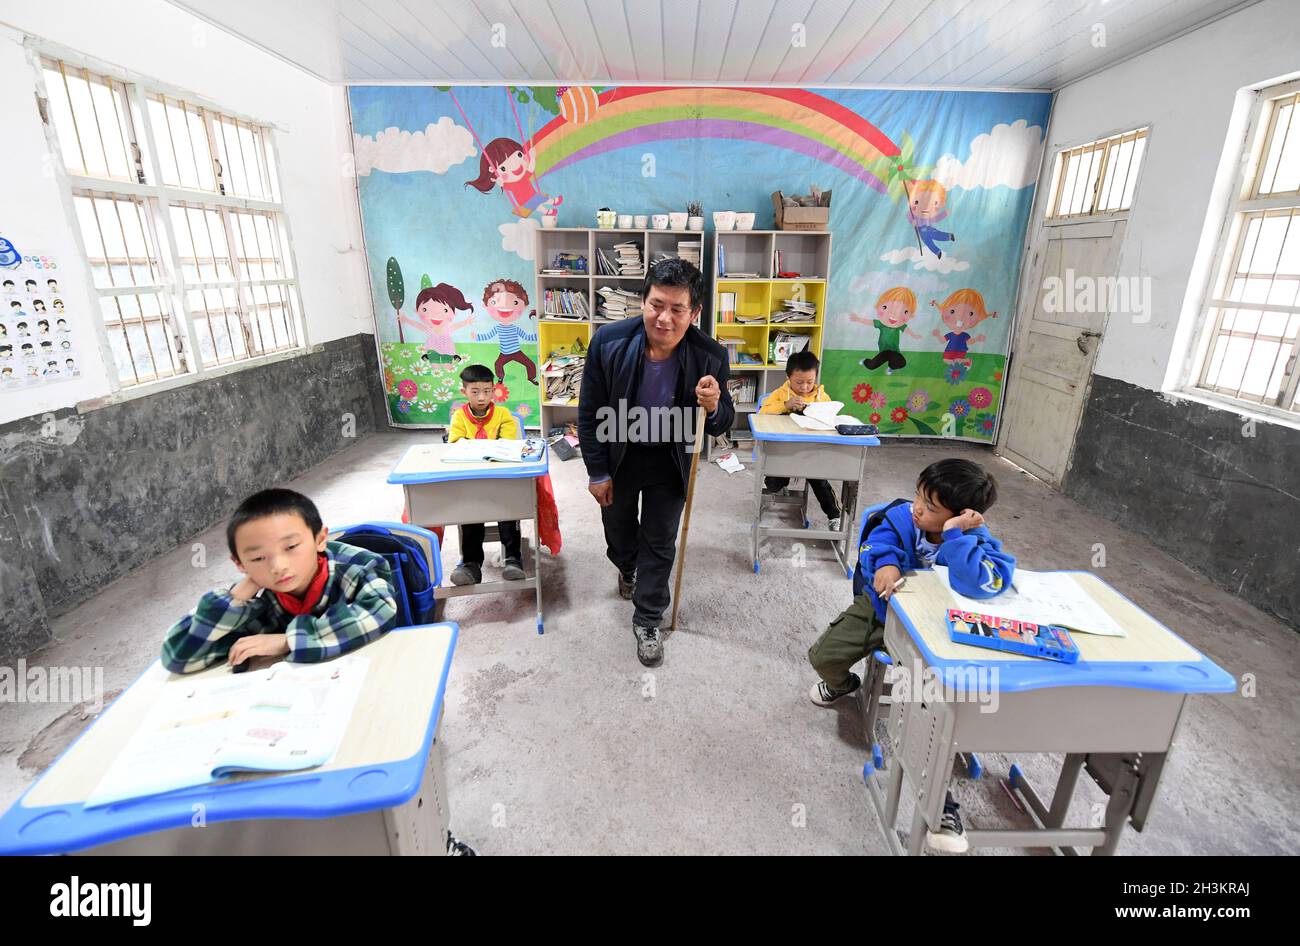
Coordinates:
[480,432]
[311,597]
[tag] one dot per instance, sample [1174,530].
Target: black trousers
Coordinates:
[894,359]
[648,544]
[821,489]
[471,541]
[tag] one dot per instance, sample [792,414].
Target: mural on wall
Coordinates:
[932,192]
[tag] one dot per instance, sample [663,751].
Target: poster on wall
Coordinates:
[38,335]
[932,194]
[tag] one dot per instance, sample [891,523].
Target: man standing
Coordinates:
[641,385]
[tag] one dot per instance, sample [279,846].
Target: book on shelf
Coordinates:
[564,304]
[726,307]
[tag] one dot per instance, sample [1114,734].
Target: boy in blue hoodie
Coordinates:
[943,525]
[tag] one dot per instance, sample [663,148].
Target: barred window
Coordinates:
[179,210]
[1097,178]
[1252,315]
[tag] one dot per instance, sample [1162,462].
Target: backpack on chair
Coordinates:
[413,584]
[872,517]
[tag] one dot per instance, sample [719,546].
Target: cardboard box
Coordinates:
[802,218]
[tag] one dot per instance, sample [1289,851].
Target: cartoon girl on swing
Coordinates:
[508,163]
[435,308]
[512,165]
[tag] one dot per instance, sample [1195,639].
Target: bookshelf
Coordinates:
[569,304]
[745,264]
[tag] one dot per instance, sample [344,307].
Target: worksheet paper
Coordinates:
[284,718]
[1044,598]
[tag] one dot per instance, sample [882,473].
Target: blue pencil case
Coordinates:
[1048,641]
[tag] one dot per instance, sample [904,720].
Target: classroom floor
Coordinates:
[565,744]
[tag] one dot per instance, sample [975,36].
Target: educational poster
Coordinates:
[40,340]
[931,197]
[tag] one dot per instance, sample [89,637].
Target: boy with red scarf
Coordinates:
[302,598]
[481,418]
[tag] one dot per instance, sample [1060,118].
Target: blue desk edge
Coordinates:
[500,471]
[59,829]
[814,437]
[1202,676]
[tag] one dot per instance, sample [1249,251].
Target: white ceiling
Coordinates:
[1013,44]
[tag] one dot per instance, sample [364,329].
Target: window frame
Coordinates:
[159,199]
[1056,183]
[1232,234]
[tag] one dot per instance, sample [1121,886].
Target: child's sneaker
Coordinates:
[467,573]
[513,571]
[626,585]
[951,836]
[834,524]
[823,695]
[458,848]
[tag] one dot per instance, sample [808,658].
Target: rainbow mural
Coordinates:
[792,119]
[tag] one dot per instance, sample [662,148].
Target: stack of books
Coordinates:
[618,303]
[564,304]
[691,250]
[743,390]
[628,259]
[795,310]
[563,374]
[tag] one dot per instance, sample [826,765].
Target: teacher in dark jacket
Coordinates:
[641,385]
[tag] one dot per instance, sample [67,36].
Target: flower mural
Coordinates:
[956,374]
[408,389]
[959,407]
[500,393]
[918,401]
[898,415]
[861,393]
[980,397]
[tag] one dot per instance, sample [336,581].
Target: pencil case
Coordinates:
[1048,641]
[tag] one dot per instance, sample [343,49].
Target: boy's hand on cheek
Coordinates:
[245,589]
[886,577]
[969,519]
[258,645]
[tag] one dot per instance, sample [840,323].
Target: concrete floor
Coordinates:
[566,744]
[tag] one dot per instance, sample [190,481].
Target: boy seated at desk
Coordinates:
[302,597]
[942,525]
[800,390]
[482,419]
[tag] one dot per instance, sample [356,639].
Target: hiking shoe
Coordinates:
[951,836]
[513,571]
[626,585]
[467,573]
[649,645]
[823,695]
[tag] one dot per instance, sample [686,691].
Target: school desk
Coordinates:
[1114,714]
[783,448]
[382,793]
[443,493]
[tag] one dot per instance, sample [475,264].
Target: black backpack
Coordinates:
[875,515]
[410,570]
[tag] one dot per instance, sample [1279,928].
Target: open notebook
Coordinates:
[505,451]
[284,718]
[823,415]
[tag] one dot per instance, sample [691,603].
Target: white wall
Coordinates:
[1186,91]
[157,40]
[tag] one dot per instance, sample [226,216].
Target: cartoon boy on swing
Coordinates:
[436,308]
[508,163]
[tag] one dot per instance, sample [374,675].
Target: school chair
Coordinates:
[785,496]
[877,669]
[416,599]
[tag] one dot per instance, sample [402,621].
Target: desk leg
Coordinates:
[537,558]
[756,538]
[1055,818]
[916,837]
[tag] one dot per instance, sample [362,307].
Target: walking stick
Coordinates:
[686,519]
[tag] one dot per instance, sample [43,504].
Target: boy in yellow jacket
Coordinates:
[480,418]
[801,389]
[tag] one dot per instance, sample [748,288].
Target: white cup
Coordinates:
[605,219]
[744,221]
[724,219]
[641,221]
[677,221]
[550,221]
[659,221]
[625,221]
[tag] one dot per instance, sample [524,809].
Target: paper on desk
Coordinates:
[1044,598]
[823,415]
[284,718]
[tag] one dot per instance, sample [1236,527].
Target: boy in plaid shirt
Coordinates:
[302,598]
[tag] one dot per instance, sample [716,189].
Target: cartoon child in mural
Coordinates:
[893,310]
[962,310]
[927,202]
[505,300]
[508,163]
[435,308]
